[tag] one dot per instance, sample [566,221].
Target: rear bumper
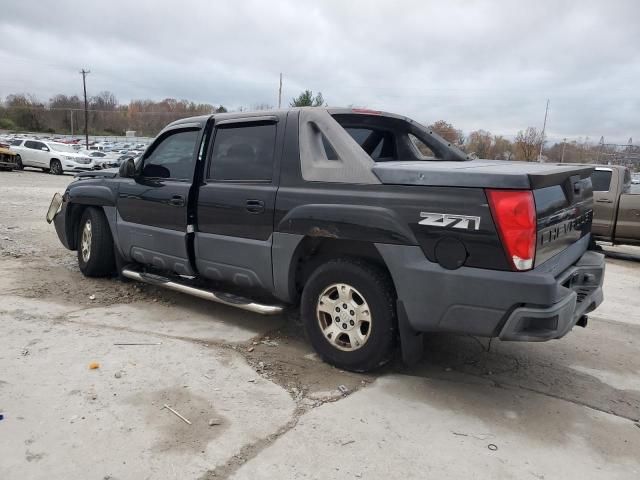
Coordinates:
[581,290]
[537,305]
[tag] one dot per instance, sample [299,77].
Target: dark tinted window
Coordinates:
[31,144]
[173,157]
[15,143]
[601,179]
[243,153]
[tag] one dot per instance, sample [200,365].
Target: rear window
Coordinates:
[243,153]
[601,179]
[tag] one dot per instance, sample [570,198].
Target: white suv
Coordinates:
[53,157]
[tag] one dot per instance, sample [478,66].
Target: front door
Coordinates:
[236,203]
[152,208]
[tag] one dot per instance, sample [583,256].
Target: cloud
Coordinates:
[477,64]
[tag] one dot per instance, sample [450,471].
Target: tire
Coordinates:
[359,341]
[56,167]
[19,165]
[95,244]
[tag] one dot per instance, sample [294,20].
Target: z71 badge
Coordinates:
[445,220]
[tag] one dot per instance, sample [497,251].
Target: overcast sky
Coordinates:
[476,64]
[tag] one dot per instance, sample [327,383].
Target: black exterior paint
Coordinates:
[230,217]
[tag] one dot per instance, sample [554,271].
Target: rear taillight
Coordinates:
[514,213]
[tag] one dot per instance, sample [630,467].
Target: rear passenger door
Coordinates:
[32,155]
[236,202]
[604,184]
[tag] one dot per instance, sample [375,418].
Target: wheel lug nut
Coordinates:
[352,323]
[344,325]
[338,319]
[344,305]
[352,313]
[337,309]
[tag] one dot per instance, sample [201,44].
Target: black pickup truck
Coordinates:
[378,228]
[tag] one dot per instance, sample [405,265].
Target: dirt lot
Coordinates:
[260,403]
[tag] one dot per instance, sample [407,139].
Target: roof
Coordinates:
[201,120]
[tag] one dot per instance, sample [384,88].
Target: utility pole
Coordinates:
[280,93]
[601,142]
[544,126]
[86,107]
[564,144]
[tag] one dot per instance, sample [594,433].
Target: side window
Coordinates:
[243,153]
[423,150]
[601,179]
[31,144]
[173,157]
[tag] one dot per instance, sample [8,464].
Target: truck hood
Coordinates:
[106,173]
[477,173]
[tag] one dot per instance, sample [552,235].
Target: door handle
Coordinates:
[177,201]
[255,206]
[604,200]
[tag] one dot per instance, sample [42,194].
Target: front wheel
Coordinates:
[56,167]
[348,309]
[95,244]
[19,165]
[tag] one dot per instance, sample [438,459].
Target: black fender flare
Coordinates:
[75,199]
[91,195]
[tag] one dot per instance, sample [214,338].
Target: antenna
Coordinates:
[544,126]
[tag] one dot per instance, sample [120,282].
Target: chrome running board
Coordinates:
[219,297]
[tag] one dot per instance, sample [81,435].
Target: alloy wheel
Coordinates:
[344,317]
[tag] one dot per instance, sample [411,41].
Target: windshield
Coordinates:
[62,147]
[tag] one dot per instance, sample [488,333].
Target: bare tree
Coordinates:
[528,143]
[479,142]
[502,149]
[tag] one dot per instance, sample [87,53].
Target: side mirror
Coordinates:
[128,168]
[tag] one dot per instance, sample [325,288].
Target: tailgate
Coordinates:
[564,210]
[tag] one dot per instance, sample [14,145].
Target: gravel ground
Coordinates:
[260,403]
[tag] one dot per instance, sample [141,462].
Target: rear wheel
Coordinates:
[95,244]
[348,310]
[56,167]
